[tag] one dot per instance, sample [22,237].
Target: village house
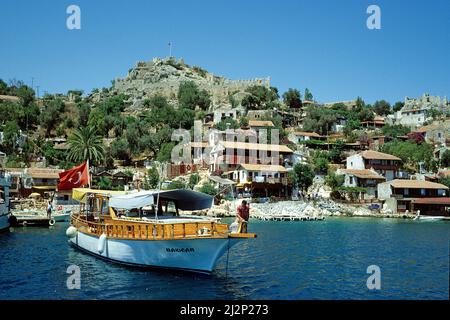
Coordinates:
[362,178]
[377,123]
[429,197]
[25,181]
[44,180]
[301,136]
[227,155]
[385,164]
[437,133]
[339,125]
[222,114]
[259,114]
[261,180]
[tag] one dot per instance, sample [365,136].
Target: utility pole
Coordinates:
[170,49]
[37,91]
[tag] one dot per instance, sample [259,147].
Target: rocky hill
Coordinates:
[164,76]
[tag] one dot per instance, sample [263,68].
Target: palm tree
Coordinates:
[86,144]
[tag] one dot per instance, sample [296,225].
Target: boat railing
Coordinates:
[151,231]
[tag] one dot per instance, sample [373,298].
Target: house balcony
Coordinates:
[382,166]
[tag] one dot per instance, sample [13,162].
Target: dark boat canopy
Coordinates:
[184,199]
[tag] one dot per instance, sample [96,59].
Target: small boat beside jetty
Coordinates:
[26,212]
[146,229]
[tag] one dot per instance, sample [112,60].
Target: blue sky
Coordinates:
[322,45]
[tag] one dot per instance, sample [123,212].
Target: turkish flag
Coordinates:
[74,178]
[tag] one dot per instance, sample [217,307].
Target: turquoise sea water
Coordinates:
[289,260]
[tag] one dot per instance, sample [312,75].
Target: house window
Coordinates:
[423,192]
[406,192]
[351,179]
[441,192]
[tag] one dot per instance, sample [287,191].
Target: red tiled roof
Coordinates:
[440,200]
[416,184]
[363,174]
[375,155]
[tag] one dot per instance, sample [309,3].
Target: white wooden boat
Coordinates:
[114,227]
[4,201]
[61,216]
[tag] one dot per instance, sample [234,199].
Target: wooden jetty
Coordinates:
[31,220]
[284,217]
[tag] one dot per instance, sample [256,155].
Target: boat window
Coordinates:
[105,207]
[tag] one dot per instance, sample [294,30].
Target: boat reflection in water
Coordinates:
[145,229]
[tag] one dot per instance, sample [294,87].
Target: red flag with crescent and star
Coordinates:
[74,178]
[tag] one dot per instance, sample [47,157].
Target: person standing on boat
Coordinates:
[49,209]
[243,213]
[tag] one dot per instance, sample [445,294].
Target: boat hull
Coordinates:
[197,255]
[4,222]
[61,217]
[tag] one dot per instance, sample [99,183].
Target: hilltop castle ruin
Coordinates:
[164,76]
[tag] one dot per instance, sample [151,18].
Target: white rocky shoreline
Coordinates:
[309,209]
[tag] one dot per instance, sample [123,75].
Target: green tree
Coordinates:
[222,125]
[302,176]
[319,120]
[382,108]
[26,95]
[445,159]
[120,149]
[3,87]
[193,180]
[445,181]
[152,180]
[208,188]
[86,144]
[320,161]
[292,98]
[157,101]
[176,184]
[395,130]
[190,96]
[260,98]
[51,115]
[243,122]
[84,111]
[104,183]
[11,133]
[334,181]
[308,95]
[411,153]
[165,153]
[398,106]
[336,152]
